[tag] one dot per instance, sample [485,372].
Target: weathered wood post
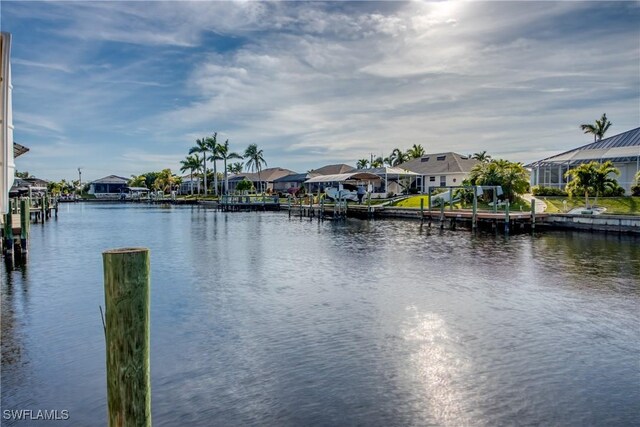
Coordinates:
[421,210]
[321,217]
[289,205]
[533,215]
[300,207]
[42,209]
[25,217]
[126,292]
[442,202]
[495,200]
[474,214]
[8,232]
[506,217]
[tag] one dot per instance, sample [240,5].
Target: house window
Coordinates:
[432,179]
[443,181]
[424,159]
[441,157]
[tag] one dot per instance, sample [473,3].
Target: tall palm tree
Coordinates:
[362,164]
[214,148]
[224,154]
[415,152]
[255,160]
[202,147]
[482,156]
[191,164]
[598,129]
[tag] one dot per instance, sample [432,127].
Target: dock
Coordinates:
[248,203]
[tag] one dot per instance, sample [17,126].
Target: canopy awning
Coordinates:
[342,177]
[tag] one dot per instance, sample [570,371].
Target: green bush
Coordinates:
[635,190]
[244,185]
[539,190]
[614,192]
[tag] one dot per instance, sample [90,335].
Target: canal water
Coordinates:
[258,319]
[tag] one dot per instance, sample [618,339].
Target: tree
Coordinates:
[244,185]
[202,147]
[396,157]
[236,167]
[598,129]
[255,161]
[165,181]
[415,152]
[23,175]
[191,163]
[581,180]
[137,181]
[362,164]
[482,156]
[378,162]
[214,148]
[224,154]
[512,177]
[602,179]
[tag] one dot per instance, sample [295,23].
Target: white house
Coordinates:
[440,169]
[623,150]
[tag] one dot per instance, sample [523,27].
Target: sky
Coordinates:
[127,87]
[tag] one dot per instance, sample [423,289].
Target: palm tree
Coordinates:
[397,157]
[415,152]
[602,179]
[236,167]
[378,162]
[214,148]
[165,180]
[581,180]
[202,147]
[512,177]
[598,129]
[191,164]
[482,156]
[255,160]
[224,154]
[137,181]
[362,164]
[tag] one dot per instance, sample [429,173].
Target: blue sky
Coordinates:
[127,87]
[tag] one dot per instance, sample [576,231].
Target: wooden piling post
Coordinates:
[25,217]
[506,217]
[441,213]
[8,231]
[421,210]
[495,200]
[533,214]
[42,209]
[126,289]
[474,214]
[289,205]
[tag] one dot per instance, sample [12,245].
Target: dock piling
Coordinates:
[25,219]
[506,217]
[127,288]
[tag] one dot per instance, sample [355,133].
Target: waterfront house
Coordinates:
[332,170]
[290,182]
[439,170]
[263,181]
[623,150]
[190,184]
[108,187]
[393,180]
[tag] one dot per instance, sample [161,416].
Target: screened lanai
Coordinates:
[623,150]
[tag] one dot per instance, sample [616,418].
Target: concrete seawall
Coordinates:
[616,223]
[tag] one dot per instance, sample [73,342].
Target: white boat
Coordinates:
[344,194]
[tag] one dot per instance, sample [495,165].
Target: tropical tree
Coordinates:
[192,164]
[137,181]
[598,129]
[236,167]
[244,185]
[482,156]
[255,161]
[165,181]
[511,176]
[603,179]
[224,154]
[397,157]
[378,162]
[362,164]
[415,152]
[214,149]
[202,147]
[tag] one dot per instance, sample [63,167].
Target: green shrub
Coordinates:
[539,190]
[635,190]
[614,192]
[244,185]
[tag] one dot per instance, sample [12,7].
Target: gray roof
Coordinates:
[111,179]
[266,175]
[19,149]
[440,164]
[618,148]
[333,169]
[294,177]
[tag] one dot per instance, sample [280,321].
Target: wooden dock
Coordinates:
[248,203]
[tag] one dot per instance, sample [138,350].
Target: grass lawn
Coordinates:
[414,202]
[615,205]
